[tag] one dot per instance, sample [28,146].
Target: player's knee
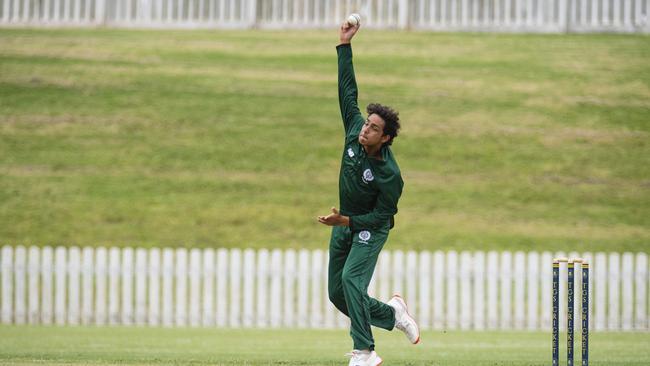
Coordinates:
[337,298]
[348,279]
[339,302]
[335,294]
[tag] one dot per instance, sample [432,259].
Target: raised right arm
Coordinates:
[348,92]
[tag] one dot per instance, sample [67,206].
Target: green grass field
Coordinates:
[233,139]
[21,345]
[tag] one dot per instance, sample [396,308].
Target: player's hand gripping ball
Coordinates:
[354,19]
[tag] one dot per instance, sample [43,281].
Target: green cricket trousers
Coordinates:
[353,256]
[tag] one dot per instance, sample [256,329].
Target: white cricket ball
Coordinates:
[354,19]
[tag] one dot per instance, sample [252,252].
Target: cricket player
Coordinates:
[370,185]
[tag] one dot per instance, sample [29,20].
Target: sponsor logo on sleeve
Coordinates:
[350,152]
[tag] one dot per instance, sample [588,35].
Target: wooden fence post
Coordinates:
[627,288]
[235,288]
[303,288]
[114,269]
[248,300]
[127,286]
[546,273]
[452,290]
[100,12]
[613,289]
[34,270]
[410,280]
[478,273]
[403,14]
[532,280]
[275,308]
[46,285]
[397,274]
[438,310]
[519,277]
[424,291]
[316,316]
[101,271]
[7,284]
[195,288]
[60,293]
[181,287]
[252,13]
[153,316]
[221,276]
[20,311]
[505,277]
[141,286]
[262,283]
[289,281]
[641,285]
[208,287]
[87,269]
[74,272]
[465,277]
[167,287]
[329,310]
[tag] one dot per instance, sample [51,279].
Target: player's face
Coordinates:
[372,132]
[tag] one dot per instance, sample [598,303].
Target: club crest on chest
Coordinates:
[367,176]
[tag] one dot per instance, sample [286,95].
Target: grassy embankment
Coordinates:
[229,139]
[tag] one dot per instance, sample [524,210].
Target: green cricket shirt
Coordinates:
[369,188]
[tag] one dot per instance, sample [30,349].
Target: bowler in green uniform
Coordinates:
[370,185]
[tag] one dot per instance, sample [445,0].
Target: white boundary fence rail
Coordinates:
[288,288]
[443,15]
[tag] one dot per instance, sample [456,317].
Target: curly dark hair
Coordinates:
[390,117]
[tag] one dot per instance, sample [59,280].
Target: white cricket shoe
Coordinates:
[403,320]
[364,358]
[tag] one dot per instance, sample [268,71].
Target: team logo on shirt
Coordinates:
[367,176]
[364,236]
[350,152]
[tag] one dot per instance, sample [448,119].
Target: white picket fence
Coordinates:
[444,15]
[288,288]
